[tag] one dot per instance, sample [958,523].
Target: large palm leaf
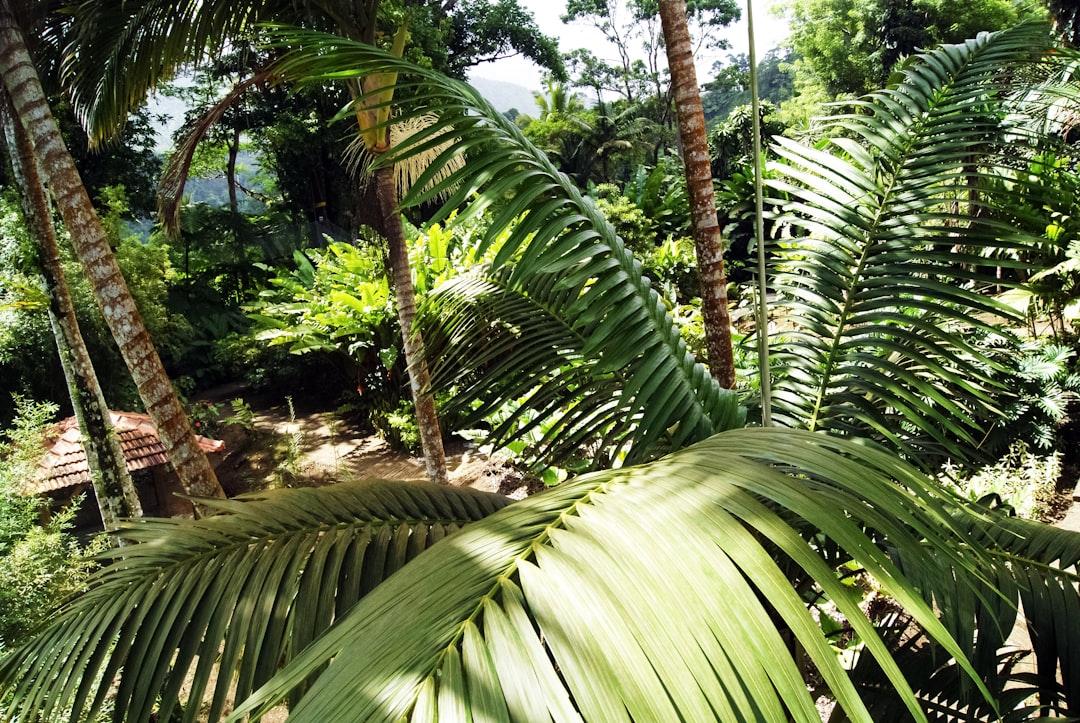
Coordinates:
[658,592]
[230,597]
[561,253]
[1032,567]
[884,283]
[650,593]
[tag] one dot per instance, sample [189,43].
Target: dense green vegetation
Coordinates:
[861,554]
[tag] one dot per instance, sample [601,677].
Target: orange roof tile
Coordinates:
[64,464]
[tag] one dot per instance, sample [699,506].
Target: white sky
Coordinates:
[769,30]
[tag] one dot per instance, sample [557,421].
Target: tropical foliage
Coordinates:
[612,321]
[690,587]
[889,332]
[536,586]
[39,564]
[318,550]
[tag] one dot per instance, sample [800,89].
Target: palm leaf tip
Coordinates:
[228,597]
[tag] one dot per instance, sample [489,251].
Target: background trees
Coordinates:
[138,57]
[850,47]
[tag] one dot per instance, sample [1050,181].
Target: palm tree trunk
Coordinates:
[113,487]
[419,377]
[95,254]
[230,172]
[705,227]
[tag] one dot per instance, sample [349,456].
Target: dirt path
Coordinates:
[302,447]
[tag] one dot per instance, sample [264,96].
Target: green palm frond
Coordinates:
[119,52]
[175,175]
[1032,569]
[943,689]
[647,593]
[1039,566]
[229,597]
[883,286]
[491,341]
[562,247]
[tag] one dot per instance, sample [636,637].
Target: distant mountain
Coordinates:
[504,95]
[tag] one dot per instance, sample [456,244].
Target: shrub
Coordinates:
[39,565]
[1023,480]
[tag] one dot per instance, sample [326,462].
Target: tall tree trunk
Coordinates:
[419,378]
[372,115]
[113,487]
[95,254]
[230,172]
[706,229]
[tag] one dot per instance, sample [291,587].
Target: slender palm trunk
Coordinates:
[93,250]
[230,172]
[705,227]
[419,378]
[113,487]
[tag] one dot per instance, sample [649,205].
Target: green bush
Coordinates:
[39,565]
[397,426]
[672,266]
[1042,385]
[1023,480]
[637,230]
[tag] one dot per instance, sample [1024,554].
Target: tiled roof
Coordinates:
[65,465]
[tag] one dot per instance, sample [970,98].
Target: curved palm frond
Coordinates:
[563,240]
[883,287]
[229,597]
[492,342]
[175,175]
[647,593]
[1032,569]
[118,53]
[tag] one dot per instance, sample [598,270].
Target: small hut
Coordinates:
[64,473]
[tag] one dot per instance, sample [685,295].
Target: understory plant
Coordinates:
[1023,480]
[39,564]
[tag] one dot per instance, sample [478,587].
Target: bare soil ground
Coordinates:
[305,446]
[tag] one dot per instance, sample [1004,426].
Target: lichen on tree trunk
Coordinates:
[705,226]
[94,253]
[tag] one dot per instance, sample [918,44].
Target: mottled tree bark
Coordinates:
[93,250]
[419,377]
[705,227]
[113,487]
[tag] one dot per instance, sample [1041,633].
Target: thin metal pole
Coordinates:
[759,231]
